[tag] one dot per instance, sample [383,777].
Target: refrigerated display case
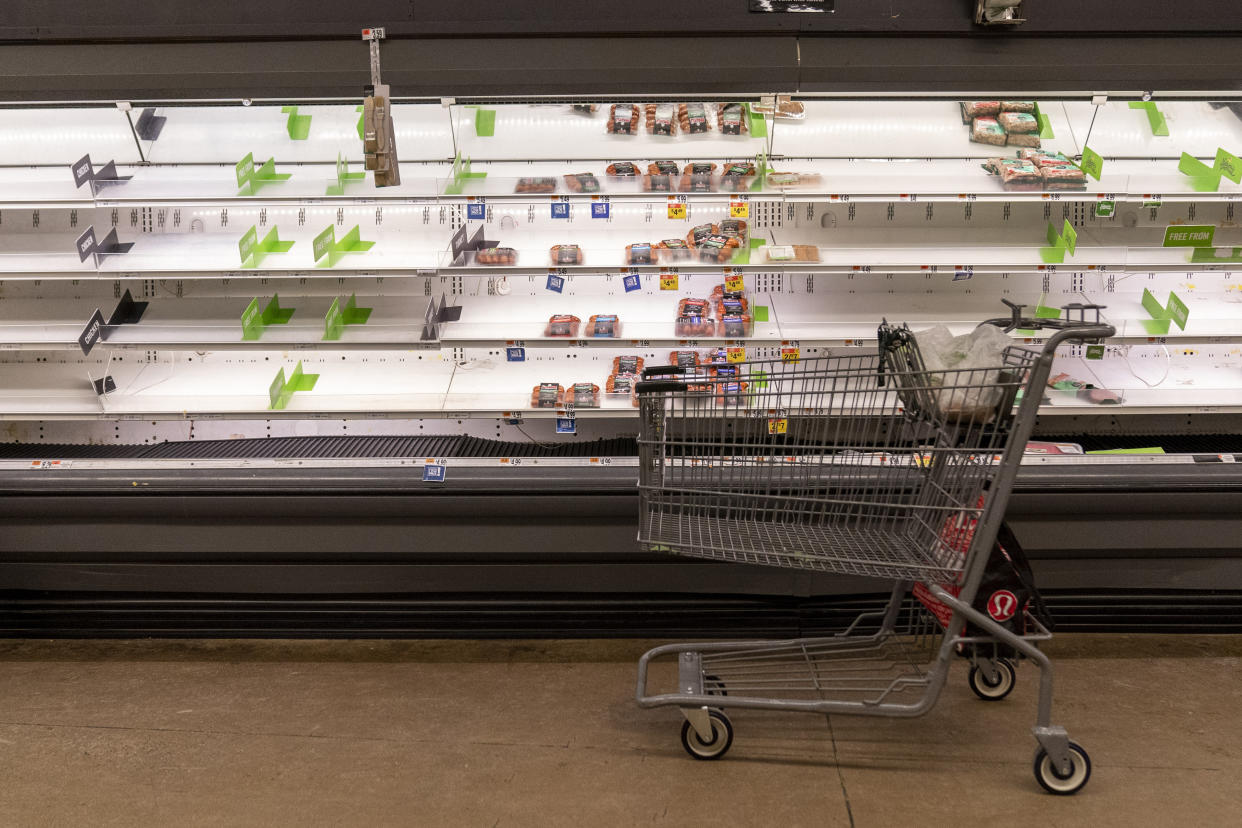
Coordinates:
[224,350]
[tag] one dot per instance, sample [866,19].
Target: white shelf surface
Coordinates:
[212,324]
[1194,127]
[62,136]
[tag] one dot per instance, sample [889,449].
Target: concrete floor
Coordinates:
[176,733]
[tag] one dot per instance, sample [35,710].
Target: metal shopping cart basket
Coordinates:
[867,465]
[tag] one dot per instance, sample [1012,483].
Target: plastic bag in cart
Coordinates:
[973,394]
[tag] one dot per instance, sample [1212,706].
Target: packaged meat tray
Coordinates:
[699,177]
[1057,177]
[724,371]
[736,326]
[694,307]
[718,249]
[640,254]
[1018,174]
[562,324]
[582,183]
[979,109]
[582,395]
[662,119]
[1044,158]
[700,232]
[684,359]
[694,326]
[987,131]
[1021,139]
[547,395]
[620,384]
[792,253]
[672,250]
[585,109]
[502,256]
[1018,123]
[731,393]
[622,169]
[737,176]
[566,254]
[604,325]
[731,306]
[622,119]
[719,293]
[692,117]
[627,365]
[535,185]
[732,227]
[731,118]
[661,177]
[1017,106]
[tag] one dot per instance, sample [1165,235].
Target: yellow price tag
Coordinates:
[735,354]
[733,282]
[676,210]
[739,209]
[668,281]
[780,426]
[790,354]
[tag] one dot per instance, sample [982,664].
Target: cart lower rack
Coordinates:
[869,465]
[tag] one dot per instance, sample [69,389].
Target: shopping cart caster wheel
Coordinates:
[993,691]
[714,686]
[1055,783]
[722,737]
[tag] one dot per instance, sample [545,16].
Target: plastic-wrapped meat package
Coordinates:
[641,253]
[582,182]
[627,365]
[566,254]
[1024,139]
[662,119]
[562,324]
[693,118]
[1018,123]
[987,131]
[731,118]
[1044,158]
[605,325]
[979,109]
[698,178]
[1016,174]
[1017,106]
[660,176]
[622,169]
[622,119]
[547,395]
[1063,177]
[672,250]
[583,395]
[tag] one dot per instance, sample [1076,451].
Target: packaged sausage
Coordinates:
[662,119]
[586,109]
[582,183]
[737,176]
[724,371]
[732,227]
[987,131]
[562,324]
[1017,106]
[694,326]
[583,395]
[731,306]
[622,119]
[717,356]
[684,359]
[566,254]
[1059,177]
[693,307]
[547,395]
[717,249]
[622,169]
[639,254]
[623,384]
[1024,139]
[604,325]
[736,326]
[979,109]
[697,234]
[693,118]
[496,256]
[672,250]
[731,393]
[535,185]
[731,118]
[719,293]
[627,365]
[698,177]
[1018,122]
[661,177]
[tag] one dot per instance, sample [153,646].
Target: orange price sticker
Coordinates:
[733,282]
[668,281]
[780,426]
[676,210]
[739,209]
[735,354]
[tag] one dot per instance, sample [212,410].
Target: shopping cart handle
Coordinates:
[659,386]
[663,371]
[1079,333]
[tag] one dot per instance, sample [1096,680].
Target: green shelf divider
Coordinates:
[254,321]
[1175,311]
[250,178]
[343,177]
[1207,255]
[1059,244]
[1045,125]
[282,390]
[331,251]
[298,126]
[1154,117]
[758,123]
[338,316]
[252,249]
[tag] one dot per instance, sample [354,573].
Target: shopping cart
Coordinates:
[867,465]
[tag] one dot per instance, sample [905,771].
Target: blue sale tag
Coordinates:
[631,283]
[476,211]
[566,425]
[515,354]
[560,209]
[962,274]
[556,283]
[599,209]
[433,473]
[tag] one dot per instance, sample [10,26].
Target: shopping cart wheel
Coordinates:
[993,690]
[714,686]
[1053,782]
[722,737]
